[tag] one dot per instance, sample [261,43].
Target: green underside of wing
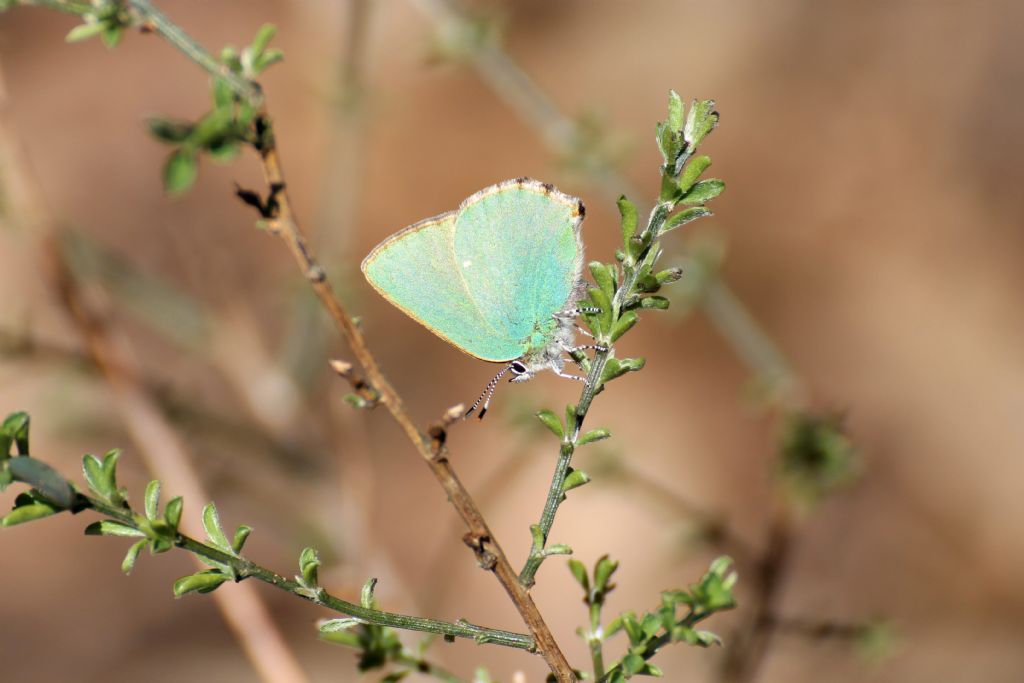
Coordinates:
[416,271]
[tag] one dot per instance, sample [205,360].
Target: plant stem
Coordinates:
[489,552]
[590,389]
[595,640]
[245,569]
[158,21]
[69,6]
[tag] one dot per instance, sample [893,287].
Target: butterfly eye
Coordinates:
[517,367]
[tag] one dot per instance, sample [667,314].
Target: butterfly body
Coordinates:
[498,278]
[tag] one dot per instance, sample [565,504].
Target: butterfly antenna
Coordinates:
[488,392]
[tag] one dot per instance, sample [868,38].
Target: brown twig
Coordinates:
[479,536]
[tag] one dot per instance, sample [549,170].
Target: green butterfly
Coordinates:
[498,278]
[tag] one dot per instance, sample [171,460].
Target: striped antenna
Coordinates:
[488,391]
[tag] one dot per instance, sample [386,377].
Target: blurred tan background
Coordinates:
[872,225]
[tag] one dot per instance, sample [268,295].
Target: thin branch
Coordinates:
[243,610]
[480,538]
[245,569]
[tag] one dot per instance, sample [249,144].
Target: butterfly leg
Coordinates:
[566,375]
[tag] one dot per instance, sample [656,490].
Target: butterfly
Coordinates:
[498,278]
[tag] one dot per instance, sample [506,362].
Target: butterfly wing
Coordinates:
[415,269]
[518,249]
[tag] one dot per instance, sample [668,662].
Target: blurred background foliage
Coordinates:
[871,227]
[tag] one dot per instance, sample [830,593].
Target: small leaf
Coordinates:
[551,421]
[84,32]
[200,582]
[704,191]
[658,302]
[152,500]
[171,131]
[28,513]
[617,367]
[54,488]
[557,549]
[701,120]
[211,522]
[15,429]
[692,172]
[366,596]
[92,468]
[623,325]
[592,436]
[172,512]
[669,276]
[111,35]
[604,276]
[267,59]
[627,210]
[110,527]
[128,563]
[603,570]
[580,573]
[604,302]
[342,624]
[570,418]
[675,111]
[180,171]
[575,479]
[241,535]
[683,217]
[670,192]
[263,38]
[309,561]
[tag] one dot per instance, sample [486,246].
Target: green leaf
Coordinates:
[110,527]
[604,302]
[670,192]
[592,436]
[152,500]
[200,582]
[623,325]
[28,513]
[628,212]
[263,38]
[704,191]
[267,59]
[366,596]
[551,421]
[95,478]
[214,531]
[580,573]
[570,418]
[84,32]
[111,35]
[658,302]
[683,217]
[171,131]
[180,171]
[692,172]
[675,111]
[241,535]
[54,488]
[574,480]
[557,549]
[172,512]
[616,367]
[128,563]
[669,276]
[603,571]
[15,429]
[223,95]
[604,276]
[701,120]
[309,561]
[224,151]
[342,624]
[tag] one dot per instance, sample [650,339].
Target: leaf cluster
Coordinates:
[107,19]
[233,120]
[673,621]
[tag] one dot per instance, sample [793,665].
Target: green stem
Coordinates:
[626,289]
[163,26]
[245,569]
[595,640]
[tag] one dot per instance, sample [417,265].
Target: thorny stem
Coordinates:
[245,569]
